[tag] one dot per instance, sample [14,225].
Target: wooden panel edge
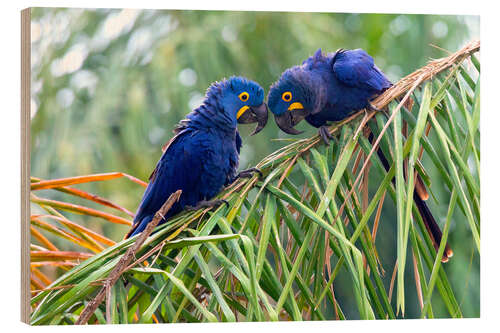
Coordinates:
[25,161]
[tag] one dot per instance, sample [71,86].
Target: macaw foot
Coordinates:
[248,173]
[207,204]
[324,133]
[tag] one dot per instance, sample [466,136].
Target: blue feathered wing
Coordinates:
[188,163]
[356,68]
[180,167]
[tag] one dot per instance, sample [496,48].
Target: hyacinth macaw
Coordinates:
[325,88]
[330,88]
[203,155]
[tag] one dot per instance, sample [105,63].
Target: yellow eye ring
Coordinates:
[287,96]
[244,96]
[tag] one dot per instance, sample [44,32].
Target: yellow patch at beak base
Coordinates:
[295,106]
[241,111]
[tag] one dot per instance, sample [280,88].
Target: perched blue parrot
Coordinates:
[203,155]
[325,88]
[330,88]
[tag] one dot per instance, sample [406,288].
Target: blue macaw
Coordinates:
[203,155]
[330,88]
[325,88]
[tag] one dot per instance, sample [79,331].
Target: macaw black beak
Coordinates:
[287,121]
[254,114]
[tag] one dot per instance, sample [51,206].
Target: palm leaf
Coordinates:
[289,243]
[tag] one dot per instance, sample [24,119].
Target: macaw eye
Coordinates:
[244,96]
[287,96]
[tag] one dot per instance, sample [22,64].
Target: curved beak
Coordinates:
[287,121]
[253,114]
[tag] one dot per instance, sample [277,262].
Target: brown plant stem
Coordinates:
[125,260]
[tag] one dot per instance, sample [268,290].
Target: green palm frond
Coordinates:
[290,242]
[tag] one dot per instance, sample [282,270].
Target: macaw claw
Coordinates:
[324,133]
[207,204]
[248,173]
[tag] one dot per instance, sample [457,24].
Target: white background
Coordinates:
[490,164]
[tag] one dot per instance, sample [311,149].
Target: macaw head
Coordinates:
[292,98]
[243,102]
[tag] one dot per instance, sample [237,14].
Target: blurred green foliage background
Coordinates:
[108,86]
